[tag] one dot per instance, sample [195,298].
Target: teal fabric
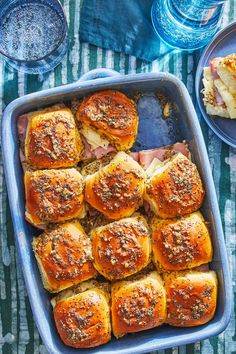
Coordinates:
[121,25]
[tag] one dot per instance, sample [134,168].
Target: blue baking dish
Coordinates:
[154,131]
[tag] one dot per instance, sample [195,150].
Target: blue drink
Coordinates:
[187,24]
[33,34]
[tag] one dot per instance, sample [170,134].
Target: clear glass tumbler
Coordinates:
[33,34]
[186,24]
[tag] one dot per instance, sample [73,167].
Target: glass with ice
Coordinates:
[33,34]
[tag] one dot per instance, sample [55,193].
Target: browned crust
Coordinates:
[138,306]
[83,320]
[182,243]
[113,115]
[178,190]
[116,190]
[53,195]
[121,248]
[64,256]
[190,302]
[52,140]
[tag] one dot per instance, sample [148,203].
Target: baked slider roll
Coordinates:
[179,244]
[64,256]
[226,70]
[111,115]
[219,92]
[138,304]
[53,196]
[121,248]
[191,298]
[116,190]
[52,140]
[82,315]
[174,187]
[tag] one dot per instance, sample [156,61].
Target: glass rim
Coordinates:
[63,36]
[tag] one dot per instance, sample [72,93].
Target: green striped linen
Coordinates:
[18,333]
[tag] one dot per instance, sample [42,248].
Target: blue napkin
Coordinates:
[121,25]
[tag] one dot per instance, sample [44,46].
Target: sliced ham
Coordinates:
[22,123]
[218,97]
[100,152]
[213,65]
[97,153]
[147,156]
[87,153]
[134,155]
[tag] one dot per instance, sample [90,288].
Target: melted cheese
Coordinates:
[93,138]
[229,99]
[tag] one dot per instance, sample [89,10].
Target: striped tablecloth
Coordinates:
[18,333]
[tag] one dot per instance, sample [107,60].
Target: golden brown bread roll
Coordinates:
[53,196]
[116,190]
[121,248]
[174,188]
[111,114]
[52,139]
[82,315]
[64,256]
[138,304]
[179,244]
[191,297]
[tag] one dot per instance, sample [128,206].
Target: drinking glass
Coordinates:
[33,34]
[186,24]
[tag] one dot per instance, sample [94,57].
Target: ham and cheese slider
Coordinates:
[138,303]
[191,297]
[53,196]
[219,81]
[51,138]
[121,248]
[116,190]
[108,119]
[64,256]
[82,315]
[179,244]
[174,187]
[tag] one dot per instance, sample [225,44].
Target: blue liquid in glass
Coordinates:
[187,24]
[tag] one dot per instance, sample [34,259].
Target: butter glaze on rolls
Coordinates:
[53,196]
[116,190]
[121,248]
[179,244]
[64,256]
[191,297]
[174,188]
[82,315]
[52,139]
[111,114]
[138,304]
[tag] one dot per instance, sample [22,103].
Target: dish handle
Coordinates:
[98,74]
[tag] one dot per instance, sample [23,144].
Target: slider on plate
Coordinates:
[82,315]
[191,297]
[52,139]
[138,304]
[64,256]
[116,190]
[173,187]
[53,196]
[108,121]
[219,92]
[179,244]
[121,248]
